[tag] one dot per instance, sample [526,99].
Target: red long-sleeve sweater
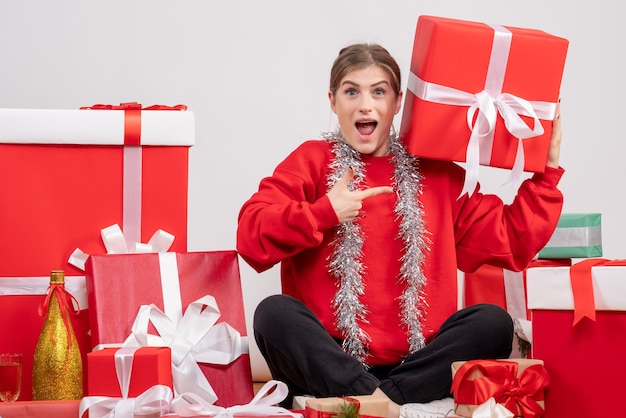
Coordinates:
[290,220]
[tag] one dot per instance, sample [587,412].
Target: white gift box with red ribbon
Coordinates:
[579,331]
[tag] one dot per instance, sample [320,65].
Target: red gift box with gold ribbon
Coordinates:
[484,94]
[517,384]
[579,331]
[68,173]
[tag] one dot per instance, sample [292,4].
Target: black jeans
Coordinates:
[300,352]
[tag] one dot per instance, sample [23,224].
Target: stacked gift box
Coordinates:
[101,193]
[579,329]
[69,173]
[577,236]
[477,114]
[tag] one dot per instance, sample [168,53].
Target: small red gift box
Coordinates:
[141,368]
[582,355]
[118,285]
[517,384]
[466,73]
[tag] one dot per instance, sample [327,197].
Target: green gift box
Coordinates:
[577,235]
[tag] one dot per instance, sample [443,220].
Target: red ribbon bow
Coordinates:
[582,286]
[132,117]
[498,379]
[66,300]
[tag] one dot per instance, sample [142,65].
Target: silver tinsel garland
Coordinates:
[345,262]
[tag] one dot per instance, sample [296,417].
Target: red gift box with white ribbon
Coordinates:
[69,173]
[579,331]
[129,371]
[191,302]
[482,94]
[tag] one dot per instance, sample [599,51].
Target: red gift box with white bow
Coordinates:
[482,94]
[191,302]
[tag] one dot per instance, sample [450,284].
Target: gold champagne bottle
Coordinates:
[57,365]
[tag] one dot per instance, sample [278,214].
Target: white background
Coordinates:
[255,73]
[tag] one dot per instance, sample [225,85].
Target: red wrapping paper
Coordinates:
[39,409]
[456,54]
[151,366]
[60,195]
[118,284]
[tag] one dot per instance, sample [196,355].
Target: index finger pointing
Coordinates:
[374,191]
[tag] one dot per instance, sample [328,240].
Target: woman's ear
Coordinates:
[331,99]
[398,102]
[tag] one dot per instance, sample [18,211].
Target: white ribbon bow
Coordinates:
[157,399]
[191,405]
[491,409]
[483,109]
[194,338]
[116,243]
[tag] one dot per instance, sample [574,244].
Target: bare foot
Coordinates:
[394,408]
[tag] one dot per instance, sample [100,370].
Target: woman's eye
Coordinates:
[379,91]
[351,92]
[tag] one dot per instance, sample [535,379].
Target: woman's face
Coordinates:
[365,105]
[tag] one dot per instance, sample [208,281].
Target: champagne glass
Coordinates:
[10,376]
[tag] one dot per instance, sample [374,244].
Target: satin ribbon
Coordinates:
[156,400]
[116,242]
[132,117]
[263,404]
[582,286]
[483,108]
[67,303]
[491,409]
[75,285]
[498,379]
[514,293]
[195,338]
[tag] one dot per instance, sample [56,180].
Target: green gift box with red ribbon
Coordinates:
[579,331]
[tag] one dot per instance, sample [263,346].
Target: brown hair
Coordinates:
[359,56]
